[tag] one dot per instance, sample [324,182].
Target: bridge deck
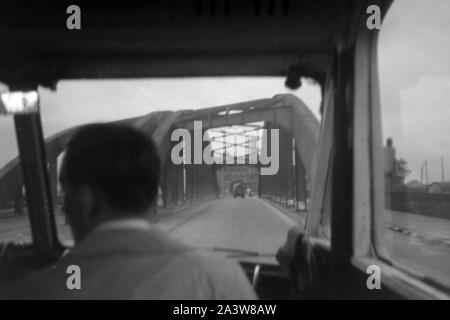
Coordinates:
[242,224]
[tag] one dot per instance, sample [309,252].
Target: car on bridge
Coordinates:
[239,190]
[337,97]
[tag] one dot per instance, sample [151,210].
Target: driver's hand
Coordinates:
[286,252]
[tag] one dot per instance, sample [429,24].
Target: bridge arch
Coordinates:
[284,111]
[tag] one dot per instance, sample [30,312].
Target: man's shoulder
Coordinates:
[129,242]
[150,265]
[225,277]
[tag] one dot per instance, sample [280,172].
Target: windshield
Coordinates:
[241,209]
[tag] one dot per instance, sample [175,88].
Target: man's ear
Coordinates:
[87,202]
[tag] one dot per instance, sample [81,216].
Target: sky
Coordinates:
[87,101]
[414,70]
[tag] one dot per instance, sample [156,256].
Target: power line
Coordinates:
[140,93]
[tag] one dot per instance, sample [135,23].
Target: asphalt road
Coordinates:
[247,229]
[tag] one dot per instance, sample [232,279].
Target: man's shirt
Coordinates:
[130,259]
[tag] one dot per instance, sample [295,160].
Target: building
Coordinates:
[229,174]
[439,187]
[416,186]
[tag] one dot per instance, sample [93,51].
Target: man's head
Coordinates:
[108,172]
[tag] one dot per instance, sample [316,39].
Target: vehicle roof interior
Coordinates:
[169,39]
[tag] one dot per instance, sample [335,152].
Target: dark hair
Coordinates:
[118,160]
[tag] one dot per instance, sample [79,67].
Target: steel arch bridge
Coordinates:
[298,138]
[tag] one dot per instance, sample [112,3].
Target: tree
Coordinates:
[401,171]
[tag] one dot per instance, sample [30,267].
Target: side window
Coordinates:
[414,71]
[14,225]
[14,210]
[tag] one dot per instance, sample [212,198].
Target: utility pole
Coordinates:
[424,172]
[421,173]
[442,170]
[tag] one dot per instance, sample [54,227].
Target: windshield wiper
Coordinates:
[241,253]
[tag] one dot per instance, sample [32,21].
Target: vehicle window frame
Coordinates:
[324,159]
